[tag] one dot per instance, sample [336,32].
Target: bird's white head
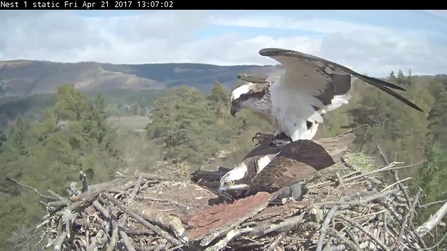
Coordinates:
[234,179]
[247,96]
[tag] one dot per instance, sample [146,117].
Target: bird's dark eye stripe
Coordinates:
[242,98]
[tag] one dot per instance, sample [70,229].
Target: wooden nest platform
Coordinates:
[343,208]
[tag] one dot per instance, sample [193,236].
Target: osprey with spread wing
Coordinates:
[311,86]
[267,168]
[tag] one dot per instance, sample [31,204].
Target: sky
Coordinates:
[372,42]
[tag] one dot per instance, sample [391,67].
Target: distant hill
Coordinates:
[32,106]
[25,77]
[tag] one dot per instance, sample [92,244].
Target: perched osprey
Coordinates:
[268,168]
[295,102]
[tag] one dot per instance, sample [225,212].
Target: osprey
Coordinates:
[270,168]
[311,86]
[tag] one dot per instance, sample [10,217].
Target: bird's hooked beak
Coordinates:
[234,109]
[223,193]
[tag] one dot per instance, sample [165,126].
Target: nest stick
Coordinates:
[154,228]
[230,235]
[366,232]
[325,226]
[59,241]
[33,189]
[126,240]
[407,216]
[433,221]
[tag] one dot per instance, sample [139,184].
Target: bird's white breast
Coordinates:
[292,108]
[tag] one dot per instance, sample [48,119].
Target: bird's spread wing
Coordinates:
[336,146]
[322,78]
[298,160]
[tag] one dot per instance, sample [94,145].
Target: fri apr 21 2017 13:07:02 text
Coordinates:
[85,4]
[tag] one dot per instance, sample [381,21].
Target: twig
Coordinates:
[432,203]
[395,183]
[433,221]
[99,239]
[175,203]
[101,209]
[59,241]
[32,188]
[123,221]
[154,228]
[42,236]
[160,218]
[135,189]
[407,216]
[366,232]
[385,228]
[286,223]
[87,233]
[437,244]
[34,232]
[114,225]
[126,240]
[325,226]
[356,200]
[230,235]
[276,241]
[395,174]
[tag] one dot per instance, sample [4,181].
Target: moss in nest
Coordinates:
[362,161]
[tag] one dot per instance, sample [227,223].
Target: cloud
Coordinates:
[441,13]
[218,37]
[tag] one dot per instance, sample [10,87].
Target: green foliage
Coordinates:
[32,107]
[433,175]
[180,122]
[398,129]
[72,136]
[437,116]
[431,179]
[192,127]
[19,137]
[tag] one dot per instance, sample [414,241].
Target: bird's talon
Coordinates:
[256,137]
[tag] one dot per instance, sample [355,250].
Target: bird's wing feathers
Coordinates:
[252,78]
[315,74]
[336,146]
[302,73]
[298,160]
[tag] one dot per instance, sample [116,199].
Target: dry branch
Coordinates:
[344,208]
[433,221]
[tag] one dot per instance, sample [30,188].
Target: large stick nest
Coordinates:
[344,208]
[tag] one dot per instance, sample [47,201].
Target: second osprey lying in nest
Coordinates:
[269,168]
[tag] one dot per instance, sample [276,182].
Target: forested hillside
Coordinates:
[29,77]
[189,129]
[119,102]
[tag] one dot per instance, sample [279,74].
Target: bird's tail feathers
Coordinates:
[388,88]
